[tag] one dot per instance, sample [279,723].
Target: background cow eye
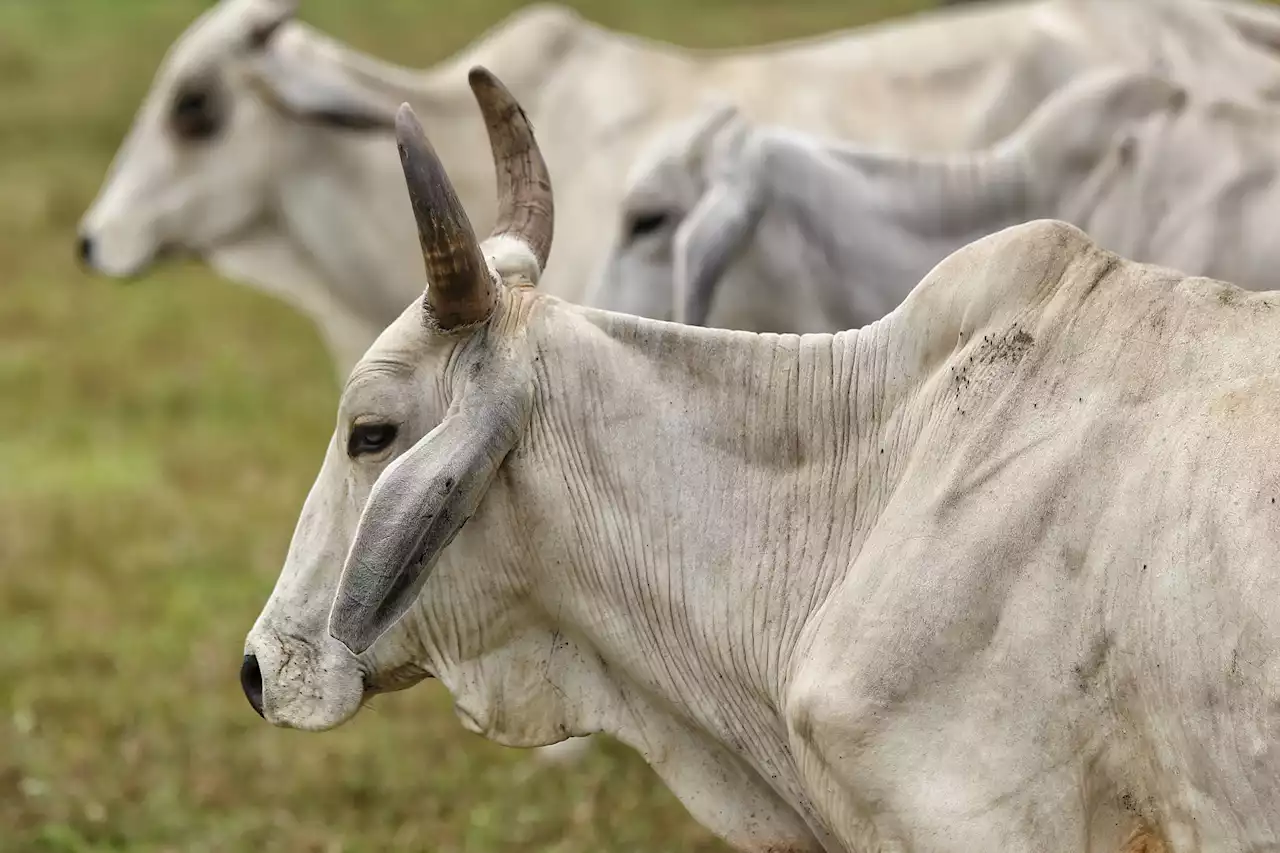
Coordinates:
[646,223]
[370,438]
[196,113]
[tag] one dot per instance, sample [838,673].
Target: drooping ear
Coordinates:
[718,228]
[706,243]
[421,502]
[312,89]
[270,16]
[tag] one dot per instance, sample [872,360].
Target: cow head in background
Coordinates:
[227,112]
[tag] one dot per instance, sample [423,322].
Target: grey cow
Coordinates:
[788,232]
[261,145]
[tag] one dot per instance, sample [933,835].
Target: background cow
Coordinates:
[261,145]
[1157,171]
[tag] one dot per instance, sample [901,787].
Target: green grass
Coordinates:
[156,442]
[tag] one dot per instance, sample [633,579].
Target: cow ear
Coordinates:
[272,15]
[416,508]
[710,237]
[313,91]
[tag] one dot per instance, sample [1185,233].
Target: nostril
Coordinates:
[251,681]
[84,250]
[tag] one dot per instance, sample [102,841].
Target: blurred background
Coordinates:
[157,439]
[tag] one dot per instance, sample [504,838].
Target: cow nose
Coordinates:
[251,681]
[84,250]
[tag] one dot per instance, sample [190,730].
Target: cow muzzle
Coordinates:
[294,683]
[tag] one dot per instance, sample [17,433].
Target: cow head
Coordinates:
[690,209]
[424,423]
[225,116]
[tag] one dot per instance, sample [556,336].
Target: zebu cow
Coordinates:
[262,143]
[995,573]
[792,233]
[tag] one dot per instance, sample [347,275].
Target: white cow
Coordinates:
[995,573]
[792,233]
[262,143]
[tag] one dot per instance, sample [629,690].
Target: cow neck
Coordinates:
[722,483]
[524,50]
[948,201]
[870,224]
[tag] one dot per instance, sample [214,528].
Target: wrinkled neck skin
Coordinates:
[847,234]
[644,565]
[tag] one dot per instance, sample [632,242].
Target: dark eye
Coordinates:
[366,439]
[195,113]
[645,223]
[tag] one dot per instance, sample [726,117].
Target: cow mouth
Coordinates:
[399,678]
[143,269]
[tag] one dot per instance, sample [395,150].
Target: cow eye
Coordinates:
[645,223]
[366,439]
[195,113]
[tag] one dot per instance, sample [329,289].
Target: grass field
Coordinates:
[156,442]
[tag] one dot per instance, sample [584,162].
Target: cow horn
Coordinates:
[459,291]
[525,208]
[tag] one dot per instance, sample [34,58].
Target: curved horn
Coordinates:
[525,207]
[459,291]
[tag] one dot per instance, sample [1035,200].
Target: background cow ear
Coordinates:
[708,240]
[274,14]
[719,227]
[316,92]
[261,35]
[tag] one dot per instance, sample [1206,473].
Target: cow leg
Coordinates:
[1143,840]
[944,724]
[919,783]
[720,791]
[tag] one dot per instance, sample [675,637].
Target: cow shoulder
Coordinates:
[1003,280]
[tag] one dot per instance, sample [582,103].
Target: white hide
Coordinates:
[1155,171]
[295,192]
[993,573]
[713,234]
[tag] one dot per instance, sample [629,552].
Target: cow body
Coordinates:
[995,572]
[915,587]
[285,183]
[1157,171]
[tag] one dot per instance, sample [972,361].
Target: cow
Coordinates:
[1154,170]
[995,572]
[261,145]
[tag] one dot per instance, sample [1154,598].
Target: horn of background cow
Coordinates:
[711,236]
[526,210]
[459,291]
